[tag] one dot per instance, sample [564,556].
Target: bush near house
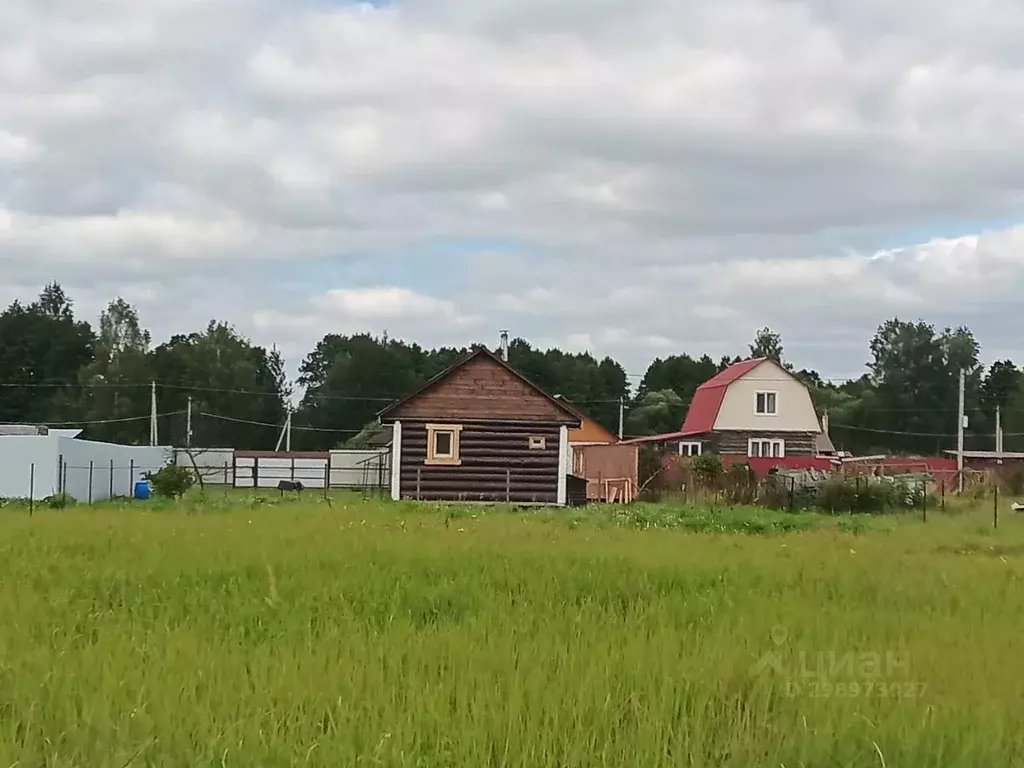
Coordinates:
[172,481]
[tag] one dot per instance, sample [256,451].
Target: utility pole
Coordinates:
[152,414]
[961,423]
[622,414]
[284,430]
[188,424]
[288,432]
[999,435]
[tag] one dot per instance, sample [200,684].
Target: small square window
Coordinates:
[766,404]
[443,444]
[538,443]
[690,449]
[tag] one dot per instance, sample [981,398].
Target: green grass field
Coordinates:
[376,634]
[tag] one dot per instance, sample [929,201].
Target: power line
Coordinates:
[278,426]
[832,426]
[125,420]
[264,393]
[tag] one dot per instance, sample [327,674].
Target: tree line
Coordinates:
[58,369]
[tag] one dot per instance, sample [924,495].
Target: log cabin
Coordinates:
[481,432]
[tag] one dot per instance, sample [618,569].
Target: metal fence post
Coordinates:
[508,485]
[225,478]
[64,485]
[131,478]
[92,464]
[995,508]
[31,489]
[327,476]
[418,469]
[792,492]
[943,502]
[111,479]
[924,501]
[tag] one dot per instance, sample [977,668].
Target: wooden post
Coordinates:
[943,502]
[924,501]
[995,508]
[792,492]
[327,475]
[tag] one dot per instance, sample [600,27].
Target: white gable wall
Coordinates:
[794,408]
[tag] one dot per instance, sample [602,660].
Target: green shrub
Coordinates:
[708,469]
[172,481]
[740,484]
[842,494]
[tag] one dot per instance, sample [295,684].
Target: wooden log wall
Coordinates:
[797,443]
[498,464]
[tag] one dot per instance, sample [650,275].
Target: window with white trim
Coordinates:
[766,403]
[691,449]
[443,444]
[761,448]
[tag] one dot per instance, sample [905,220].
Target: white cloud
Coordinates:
[15,148]
[642,177]
[384,302]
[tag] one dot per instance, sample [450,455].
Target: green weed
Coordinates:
[302,633]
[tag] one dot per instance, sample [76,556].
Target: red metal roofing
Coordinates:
[707,400]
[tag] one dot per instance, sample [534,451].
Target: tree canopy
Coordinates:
[57,368]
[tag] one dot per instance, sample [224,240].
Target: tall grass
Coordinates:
[372,634]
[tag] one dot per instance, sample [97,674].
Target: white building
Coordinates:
[41,462]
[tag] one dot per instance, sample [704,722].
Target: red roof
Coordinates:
[707,400]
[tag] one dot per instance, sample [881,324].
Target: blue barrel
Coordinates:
[142,490]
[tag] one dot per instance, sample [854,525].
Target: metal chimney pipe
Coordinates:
[504,345]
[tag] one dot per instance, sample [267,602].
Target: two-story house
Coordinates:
[754,408]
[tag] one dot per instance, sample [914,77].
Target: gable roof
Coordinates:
[476,354]
[585,417]
[707,400]
[822,442]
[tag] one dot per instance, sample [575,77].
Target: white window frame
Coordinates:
[776,448]
[775,401]
[452,458]
[691,448]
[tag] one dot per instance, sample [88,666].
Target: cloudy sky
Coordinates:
[636,179]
